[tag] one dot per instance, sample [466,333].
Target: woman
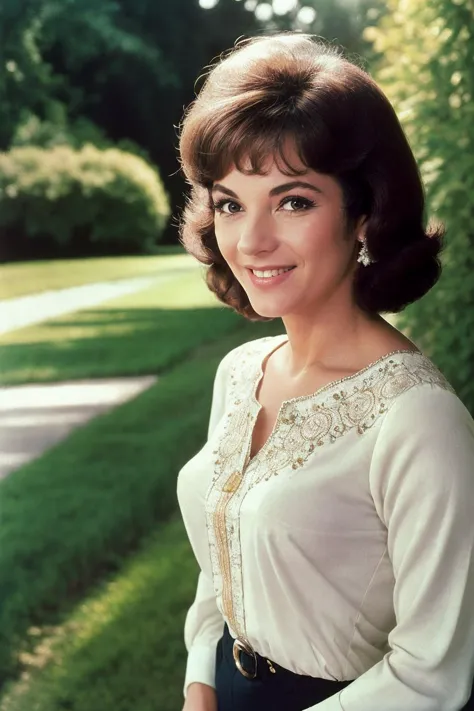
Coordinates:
[330,510]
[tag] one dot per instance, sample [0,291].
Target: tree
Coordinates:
[339,21]
[25,81]
[130,66]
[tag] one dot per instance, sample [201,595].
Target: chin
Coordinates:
[269,311]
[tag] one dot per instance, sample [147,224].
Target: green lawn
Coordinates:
[122,647]
[22,278]
[146,332]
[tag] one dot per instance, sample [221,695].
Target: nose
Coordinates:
[257,234]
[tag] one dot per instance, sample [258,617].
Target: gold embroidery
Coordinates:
[224,559]
[223,500]
[304,424]
[233,482]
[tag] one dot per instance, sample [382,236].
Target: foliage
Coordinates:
[47,133]
[428,72]
[81,198]
[42,41]
[25,80]
[337,21]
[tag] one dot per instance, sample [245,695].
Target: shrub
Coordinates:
[61,201]
[428,72]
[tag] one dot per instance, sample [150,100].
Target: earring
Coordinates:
[364,257]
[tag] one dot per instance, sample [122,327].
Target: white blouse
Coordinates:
[345,548]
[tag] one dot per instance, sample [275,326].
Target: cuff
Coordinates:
[201,666]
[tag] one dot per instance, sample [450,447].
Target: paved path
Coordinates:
[33,418]
[26,310]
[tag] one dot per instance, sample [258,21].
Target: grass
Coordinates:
[71,518]
[122,647]
[23,278]
[145,332]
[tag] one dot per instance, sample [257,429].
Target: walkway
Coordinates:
[33,418]
[27,310]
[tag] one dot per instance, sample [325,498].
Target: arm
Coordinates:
[202,630]
[422,483]
[204,623]
[200,697]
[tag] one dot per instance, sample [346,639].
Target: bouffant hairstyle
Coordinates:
[269,89]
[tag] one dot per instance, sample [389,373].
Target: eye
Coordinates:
[298,203]
[219,206]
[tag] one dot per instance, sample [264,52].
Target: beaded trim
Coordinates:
[302,425]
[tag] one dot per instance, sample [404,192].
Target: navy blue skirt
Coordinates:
[278,690]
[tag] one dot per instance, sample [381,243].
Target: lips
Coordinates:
[271,280]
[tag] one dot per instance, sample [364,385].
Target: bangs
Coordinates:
[249,150]
[250,142]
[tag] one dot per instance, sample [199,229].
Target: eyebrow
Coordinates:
[274,191]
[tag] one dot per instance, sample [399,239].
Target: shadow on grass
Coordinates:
[124,647]
[113,342]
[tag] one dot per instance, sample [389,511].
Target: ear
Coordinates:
[360,228]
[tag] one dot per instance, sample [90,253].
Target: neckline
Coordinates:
[267,354]
[317,392]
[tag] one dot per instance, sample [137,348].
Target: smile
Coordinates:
[266,273]
[270,277]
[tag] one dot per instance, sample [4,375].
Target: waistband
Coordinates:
[265,668]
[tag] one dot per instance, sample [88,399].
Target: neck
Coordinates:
[333,339]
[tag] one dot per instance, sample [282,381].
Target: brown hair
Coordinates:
[272,88]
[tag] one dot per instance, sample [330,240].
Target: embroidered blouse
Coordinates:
[344,549]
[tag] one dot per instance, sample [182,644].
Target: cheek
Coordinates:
[322,237]
[227,244]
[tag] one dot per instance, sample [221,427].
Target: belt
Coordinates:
[243,652]
[252,665]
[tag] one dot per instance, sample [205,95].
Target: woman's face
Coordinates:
[265,223]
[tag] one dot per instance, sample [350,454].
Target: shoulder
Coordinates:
[407,382]
[425,444]
[423,399]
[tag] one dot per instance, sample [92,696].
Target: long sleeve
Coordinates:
[202,629]
[204,623]
[422,484]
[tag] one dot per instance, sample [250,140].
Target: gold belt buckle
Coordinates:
[241,645]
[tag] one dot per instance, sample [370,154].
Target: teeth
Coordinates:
[270,272]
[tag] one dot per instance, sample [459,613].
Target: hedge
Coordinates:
[89,201]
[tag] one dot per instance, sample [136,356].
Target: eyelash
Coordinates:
[219,205]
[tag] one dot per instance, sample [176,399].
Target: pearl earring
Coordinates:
[364,256]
